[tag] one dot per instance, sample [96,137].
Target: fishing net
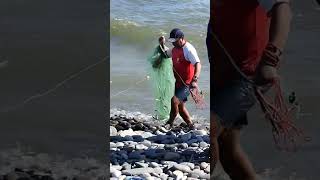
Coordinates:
[286,135]
[198,97]
[162,79]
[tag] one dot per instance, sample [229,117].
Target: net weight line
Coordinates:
[39,95]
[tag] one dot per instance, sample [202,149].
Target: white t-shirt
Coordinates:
[189,52]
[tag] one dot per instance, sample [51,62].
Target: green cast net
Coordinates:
[162,80]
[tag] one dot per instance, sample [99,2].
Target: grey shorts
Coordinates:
[232,102]
[182,93]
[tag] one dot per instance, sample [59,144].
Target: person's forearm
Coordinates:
[280,25]
[197,69]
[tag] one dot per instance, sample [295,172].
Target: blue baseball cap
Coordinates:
[175,34]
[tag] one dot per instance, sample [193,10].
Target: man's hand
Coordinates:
[265,74]
[194,84]
[162,41]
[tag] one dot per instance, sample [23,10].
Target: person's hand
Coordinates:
[265,74]
[194,84]
[162,40]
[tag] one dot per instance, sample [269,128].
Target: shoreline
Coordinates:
[141,148]
[19,163]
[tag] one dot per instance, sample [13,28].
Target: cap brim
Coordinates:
[172,40]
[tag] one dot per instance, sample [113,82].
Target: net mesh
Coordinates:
[162,79]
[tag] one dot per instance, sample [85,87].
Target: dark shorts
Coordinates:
[182,93]
[232,102]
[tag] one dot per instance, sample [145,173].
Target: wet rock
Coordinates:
[191,165]
[185,137]
[178,175]
[154,164]
[181,167]
[203,145]
[113,131]
[183,146]
[171,156]
[204,165]
[141,165]
[138,171]
[141,147]
[200,132]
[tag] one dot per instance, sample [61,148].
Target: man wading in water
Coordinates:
[186,68]
[253,33]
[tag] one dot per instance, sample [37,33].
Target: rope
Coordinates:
[196,94]
[284,132]
[37,96]
[121,92]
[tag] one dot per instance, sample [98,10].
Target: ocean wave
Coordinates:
[146,36]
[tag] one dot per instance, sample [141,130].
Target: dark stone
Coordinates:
[138,127]
[137,138]
[168,141]
[119,127]
[135,155]
[116,138]
[125,125]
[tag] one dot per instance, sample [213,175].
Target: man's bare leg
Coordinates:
[234,161]
[185,114]
[214,146]
[174,110]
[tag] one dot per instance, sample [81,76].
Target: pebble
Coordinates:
[191,165]
[141,147]
[183,146]
[128,132]
[141,165]
[194,145]
[147,135]
[203,144]
[135,155]
[203,165]
[113,131]
[154,164]
[181,167]
[119,144]
[137,171]
[178,175]
[207,170]
[113,145]
[164,176]
[126,166]
[147,143]
[114,172]
[155,152]
[185,137]
[200,132]
[171,156]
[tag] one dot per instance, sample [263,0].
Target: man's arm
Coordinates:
[278,35]
[280,24]
[197,70]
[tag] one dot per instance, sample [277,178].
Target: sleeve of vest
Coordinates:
[192,55]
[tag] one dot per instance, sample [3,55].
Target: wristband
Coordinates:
[271,55]
[195,78]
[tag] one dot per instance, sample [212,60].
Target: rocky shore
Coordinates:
[21,164]
[141,148]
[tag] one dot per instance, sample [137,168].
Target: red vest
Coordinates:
[243,28]
[182,66]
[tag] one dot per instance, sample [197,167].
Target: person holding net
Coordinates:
[245,41]
[186,68]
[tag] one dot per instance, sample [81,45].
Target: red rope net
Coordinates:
[198,97]
[286,135]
